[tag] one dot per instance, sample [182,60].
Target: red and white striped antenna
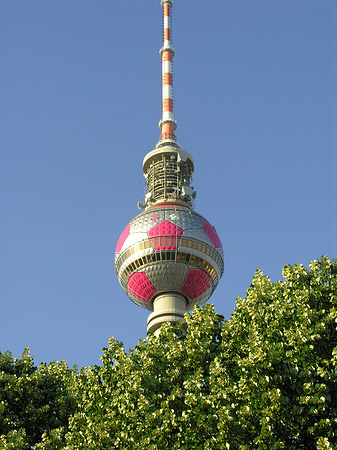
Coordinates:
[167,124]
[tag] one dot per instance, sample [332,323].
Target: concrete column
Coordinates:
[168,307]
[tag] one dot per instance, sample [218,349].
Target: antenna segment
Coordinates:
[167,124]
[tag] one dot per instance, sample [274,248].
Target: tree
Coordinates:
[276,377]
[34,401]
[264,379]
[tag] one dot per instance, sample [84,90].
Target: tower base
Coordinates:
[168,307]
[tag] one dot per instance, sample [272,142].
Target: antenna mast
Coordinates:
[167,124]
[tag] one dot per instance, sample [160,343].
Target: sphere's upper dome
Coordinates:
[169,248]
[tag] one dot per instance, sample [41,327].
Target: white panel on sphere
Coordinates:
[184,219]
[198,234]
[132,239]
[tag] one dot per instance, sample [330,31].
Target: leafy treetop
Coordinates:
[264,379]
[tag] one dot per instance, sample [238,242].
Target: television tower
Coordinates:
[168,258]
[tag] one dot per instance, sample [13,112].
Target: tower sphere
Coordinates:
[169,248]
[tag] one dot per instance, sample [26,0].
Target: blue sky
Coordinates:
[80,85]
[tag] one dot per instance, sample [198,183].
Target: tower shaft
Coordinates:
[167,307]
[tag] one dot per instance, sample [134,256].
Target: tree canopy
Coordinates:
[33,400]
[264,379]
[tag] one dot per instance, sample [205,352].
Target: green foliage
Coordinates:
[265,379]
[276,378]
[154,397]
[33,401]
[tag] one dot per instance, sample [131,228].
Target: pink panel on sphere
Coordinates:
[140,286]
[165,236]
[196,283]
[212,234]
[122,238]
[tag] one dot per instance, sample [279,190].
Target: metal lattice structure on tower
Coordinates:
[168,258]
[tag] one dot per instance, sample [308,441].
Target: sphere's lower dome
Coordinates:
[169,248]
